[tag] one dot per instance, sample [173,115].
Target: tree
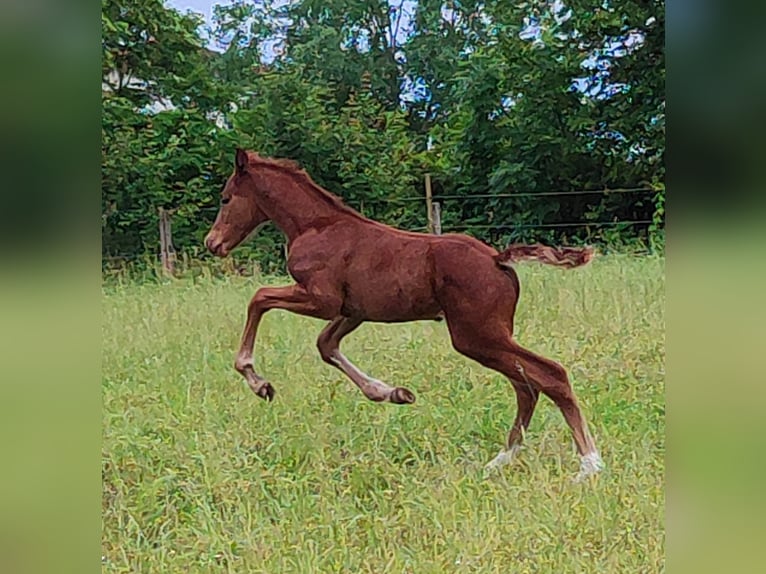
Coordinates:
[162,142]
[517,99]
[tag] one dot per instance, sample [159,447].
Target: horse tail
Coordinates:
[568,257]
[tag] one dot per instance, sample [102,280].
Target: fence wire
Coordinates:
[356,204]
[447,228]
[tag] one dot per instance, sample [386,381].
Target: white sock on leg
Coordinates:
[504,457]
[590,464]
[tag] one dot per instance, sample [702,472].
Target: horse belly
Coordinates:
[398,291]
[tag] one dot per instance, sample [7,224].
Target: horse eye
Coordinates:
[225,200]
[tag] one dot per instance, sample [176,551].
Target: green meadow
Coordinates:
[200,475]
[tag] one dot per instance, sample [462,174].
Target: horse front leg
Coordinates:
[293,298]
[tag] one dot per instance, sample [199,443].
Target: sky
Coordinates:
[204,7]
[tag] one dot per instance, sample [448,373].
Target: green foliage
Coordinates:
[354,89]
[175,159]
[657,228]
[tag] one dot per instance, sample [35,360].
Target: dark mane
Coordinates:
[292,168]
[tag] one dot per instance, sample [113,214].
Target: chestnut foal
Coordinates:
[349,269]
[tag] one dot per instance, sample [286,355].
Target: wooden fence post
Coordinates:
[167,252]
[437,218]
[429,206]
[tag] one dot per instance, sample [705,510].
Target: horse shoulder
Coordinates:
[316,249]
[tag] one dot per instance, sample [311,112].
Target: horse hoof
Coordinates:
[266,392]
[503,458]
[590,465]
[402,396]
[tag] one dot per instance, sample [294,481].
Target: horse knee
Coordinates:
[561,394]
[325,348]
[556,384]
[555,376]
[259,301]
[545,375]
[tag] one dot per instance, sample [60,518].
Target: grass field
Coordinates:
[199,475]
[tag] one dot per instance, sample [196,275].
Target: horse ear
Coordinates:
[241,161]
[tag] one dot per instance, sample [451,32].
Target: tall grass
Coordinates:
[202,476]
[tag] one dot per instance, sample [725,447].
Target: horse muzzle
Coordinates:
[216,245]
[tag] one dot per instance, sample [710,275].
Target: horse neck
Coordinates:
[294,205]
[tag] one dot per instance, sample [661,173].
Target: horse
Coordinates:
[349,269]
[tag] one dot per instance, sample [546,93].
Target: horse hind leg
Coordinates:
[551,379]
[470,340]
[531,375]
[328,344]
[526,401]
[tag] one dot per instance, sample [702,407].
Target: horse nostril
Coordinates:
[211,244]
